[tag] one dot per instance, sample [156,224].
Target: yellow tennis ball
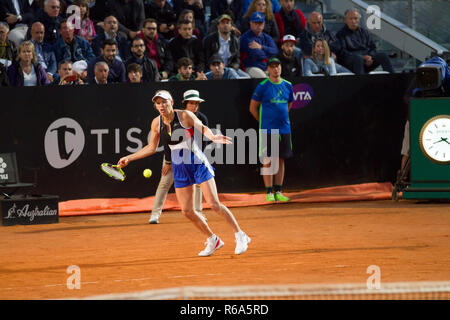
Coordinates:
[147,173]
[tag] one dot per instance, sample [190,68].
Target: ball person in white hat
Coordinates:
[175,129]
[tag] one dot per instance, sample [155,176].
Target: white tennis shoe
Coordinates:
[154,219]
[213,243]
[242,241]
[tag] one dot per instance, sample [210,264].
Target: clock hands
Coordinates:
[442,140]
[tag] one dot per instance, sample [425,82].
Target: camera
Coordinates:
[433,76]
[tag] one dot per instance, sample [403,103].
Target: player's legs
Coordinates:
[197,195]
[210,193]
[184,196]
[164,185]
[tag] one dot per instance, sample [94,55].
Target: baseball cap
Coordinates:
[273,60]
[79,66]
[162,94]
[224,16]
[288,37]
[192,95]
[257,17]
[215,58]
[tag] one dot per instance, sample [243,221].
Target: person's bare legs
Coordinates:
[279,176]
[210,193]
[185,199]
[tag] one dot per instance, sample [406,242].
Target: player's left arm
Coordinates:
[191,120]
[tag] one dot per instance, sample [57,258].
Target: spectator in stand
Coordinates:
[19,15]
[44,51]
[134,73]
[66,75]
[270,25]
[186,71]
[220,7]
[129,13]
[185,45]
[87,28]
[314,30]
[234,27]
[71,47]
[289,20]
[116,68]
[275,4]
[149,69]
[321,63]
[4,81]
[256,47]
[219,71]
[50,17]
[356,49]
[26,71]
[80,67]
[157,48]
[101,73]
[8,49]
[291,65]
[111,31]
[198,10]
[164,13]
[226,44]
[188,14]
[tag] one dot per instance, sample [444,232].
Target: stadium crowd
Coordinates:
[65,42]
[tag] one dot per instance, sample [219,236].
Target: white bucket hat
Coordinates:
[192,95]
[162,94]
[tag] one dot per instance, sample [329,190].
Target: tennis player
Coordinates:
[175,129]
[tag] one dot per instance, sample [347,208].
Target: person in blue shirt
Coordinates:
[256,47]
[270,105]
[219,71]
[71,47]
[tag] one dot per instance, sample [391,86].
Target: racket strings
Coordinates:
[113,172]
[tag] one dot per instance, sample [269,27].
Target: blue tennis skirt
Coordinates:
[195,168]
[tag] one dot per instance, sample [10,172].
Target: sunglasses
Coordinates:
[55,7]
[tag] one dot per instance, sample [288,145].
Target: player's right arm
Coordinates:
[146,151]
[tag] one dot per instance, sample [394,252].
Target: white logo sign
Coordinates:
[3,166]
[374,281]
[374,20]
[30,213]
[74,280]
[64,142]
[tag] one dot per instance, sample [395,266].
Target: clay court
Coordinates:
[294,243]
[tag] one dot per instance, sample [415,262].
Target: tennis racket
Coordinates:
[113,171]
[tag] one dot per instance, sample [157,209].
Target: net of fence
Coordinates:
[352,291]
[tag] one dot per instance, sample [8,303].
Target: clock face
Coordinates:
[435,139]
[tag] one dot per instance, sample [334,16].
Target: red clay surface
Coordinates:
[296,243]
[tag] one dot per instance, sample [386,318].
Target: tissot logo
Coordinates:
[64,142]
